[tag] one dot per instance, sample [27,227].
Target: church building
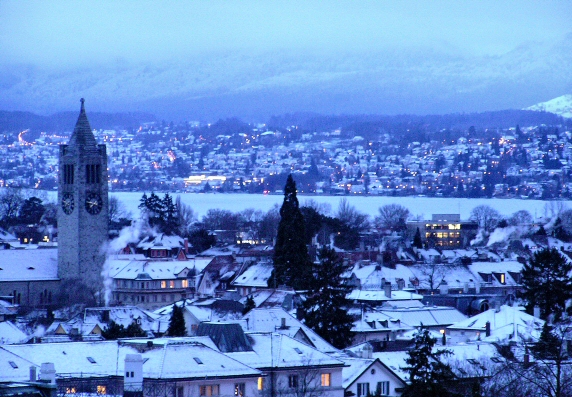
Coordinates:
[83,208]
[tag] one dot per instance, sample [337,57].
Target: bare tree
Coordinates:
[306,381]
[116,209]
[351,217]
[486,216]
[392,216]
[185,216]
[520,218]
[321,208]
[432,275]
[11,201]
[554,209]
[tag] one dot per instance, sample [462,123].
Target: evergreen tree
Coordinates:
[549,346]
[325,309]
[249,305]
[177,322]
[113,331]
[134,330]
[546,282]
[428,375]
[170,219]
[417,239]
[292,265]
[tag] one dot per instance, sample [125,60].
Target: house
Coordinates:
[366,376]
[502,325]
[289,364]
[152,365]
[278,320]
[253,278]
[216,277]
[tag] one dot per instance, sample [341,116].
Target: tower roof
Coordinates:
[82,135]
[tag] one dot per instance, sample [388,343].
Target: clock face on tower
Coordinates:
[67,203]
[93,203]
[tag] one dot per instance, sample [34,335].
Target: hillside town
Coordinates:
[295,302]
[231,156]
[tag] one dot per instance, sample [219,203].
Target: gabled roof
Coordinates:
[270,320]
[256,275]
[504,323]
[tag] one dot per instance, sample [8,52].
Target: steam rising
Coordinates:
[127,235]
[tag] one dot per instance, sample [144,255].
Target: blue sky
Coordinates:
[64,33]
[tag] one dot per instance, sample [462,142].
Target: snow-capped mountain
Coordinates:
[561,106]
[255,86]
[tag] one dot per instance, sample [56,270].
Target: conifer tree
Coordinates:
[134,330]
[428,375]
[249,305]
[417,239]
[546,282]
[292,265]
[177,322]
[325,309]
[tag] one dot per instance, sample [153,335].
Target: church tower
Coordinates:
[82,210]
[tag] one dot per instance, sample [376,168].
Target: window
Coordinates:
[70,390]
[362,389]
[293,381]
[383,388]
[163,284]
[260,383]
[101,389]
[68,174]
[13,364]
[180,391]
[127,374]
[239,389]
[172,284]
[326,379]
[209,390]
[185,283]
[91,360]
[198,360]
[92,173]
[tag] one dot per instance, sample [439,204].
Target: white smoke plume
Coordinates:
[502,234]
[130,234]
[479,238]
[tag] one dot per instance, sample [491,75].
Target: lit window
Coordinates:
[70,390]
[101,389]
[185,283]
[172,284]
[163,284]
[260,383]
[326,379]
[502,280]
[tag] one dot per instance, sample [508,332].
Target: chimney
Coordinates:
[444,332]
[536,311]
[488,329]
[283,323]
[33,373]
[48,373]
[186,242]
[387,289]
[367,351]
[133,378]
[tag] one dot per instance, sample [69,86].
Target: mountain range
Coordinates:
[255,86]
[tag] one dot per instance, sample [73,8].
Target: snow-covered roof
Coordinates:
[379,295]
[281,351]
[161,360]
[9,333]
[29,265]
[504,323]
[153,270]
[270,320]
[256,275]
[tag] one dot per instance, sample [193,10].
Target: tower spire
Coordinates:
[82,135]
